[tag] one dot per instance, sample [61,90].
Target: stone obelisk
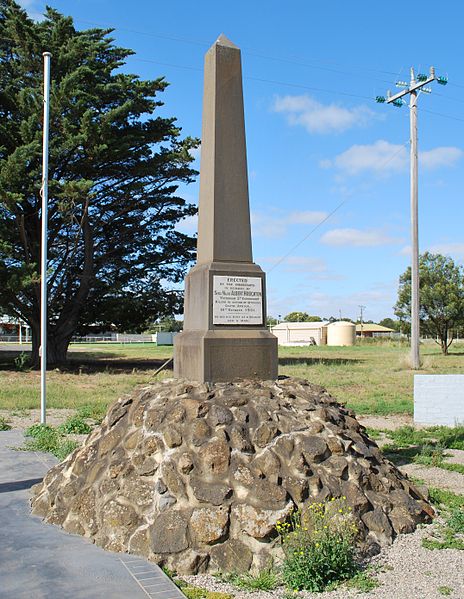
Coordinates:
[225,335]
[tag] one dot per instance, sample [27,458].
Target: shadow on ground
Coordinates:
[19,485]
[90,363]
[316,361]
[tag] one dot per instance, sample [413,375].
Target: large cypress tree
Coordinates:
[114,174]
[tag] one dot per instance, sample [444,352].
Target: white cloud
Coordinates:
[321,118]
[188,225]
[378,157]
[444,156]
[455,250]
[195,153]
[276,224]
[305,217]
[357,238]
[383,157]
[298,263]
[33,8]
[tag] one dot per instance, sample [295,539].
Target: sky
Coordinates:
[328,166]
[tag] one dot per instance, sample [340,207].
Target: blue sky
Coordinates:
[317,141]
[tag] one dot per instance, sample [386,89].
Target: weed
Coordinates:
[194,592]
[455,521]
[21,362]
[374,433]
[452,467]
[49,439]
[430,455]
[4,426]
[441,436]
[75,425]
[449,535]
[445,590]
[265,580]
[446,541]
[445,499]
[318,544]
[169,573]
[93,412]
[199,593]
[364,581]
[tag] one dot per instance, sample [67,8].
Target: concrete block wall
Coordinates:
[439,399]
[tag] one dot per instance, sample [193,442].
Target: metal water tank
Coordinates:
[341,333]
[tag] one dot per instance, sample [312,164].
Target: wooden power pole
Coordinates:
[416,85]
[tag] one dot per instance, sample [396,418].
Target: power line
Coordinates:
[298,60]
[336,209]
[258,79]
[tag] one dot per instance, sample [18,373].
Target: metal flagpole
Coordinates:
[43,266]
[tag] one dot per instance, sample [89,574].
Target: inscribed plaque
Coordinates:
[237,300]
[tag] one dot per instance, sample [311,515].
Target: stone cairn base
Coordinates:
[195,476]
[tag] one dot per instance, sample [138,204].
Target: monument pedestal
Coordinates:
[225,355]
[225,335]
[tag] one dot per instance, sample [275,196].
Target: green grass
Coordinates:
[364,581]
[450,534]
[425,446]
[266,580]
[75,425]
[442,498]
[4,426]
[371,378]
[446,591]
[42,437]
[449,438]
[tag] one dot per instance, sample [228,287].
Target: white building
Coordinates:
[301,333]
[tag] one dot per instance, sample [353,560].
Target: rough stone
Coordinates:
[219,415]
[169,532]
[215,456]
[209,525]
[209,492]
[259,523]
[211,502]
[231,556]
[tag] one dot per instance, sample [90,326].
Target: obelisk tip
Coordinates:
[222,40]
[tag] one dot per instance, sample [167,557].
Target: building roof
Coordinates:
[299,325]
[368,327]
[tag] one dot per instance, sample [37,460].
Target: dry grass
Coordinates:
[371,378]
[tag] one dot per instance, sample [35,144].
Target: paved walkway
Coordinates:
[41,561]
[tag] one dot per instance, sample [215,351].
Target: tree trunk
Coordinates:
[35,358]
[57,348]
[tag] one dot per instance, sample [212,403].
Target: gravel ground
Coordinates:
[436,477]
[390,422]
[455,456]
[406,571]
[22,419]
